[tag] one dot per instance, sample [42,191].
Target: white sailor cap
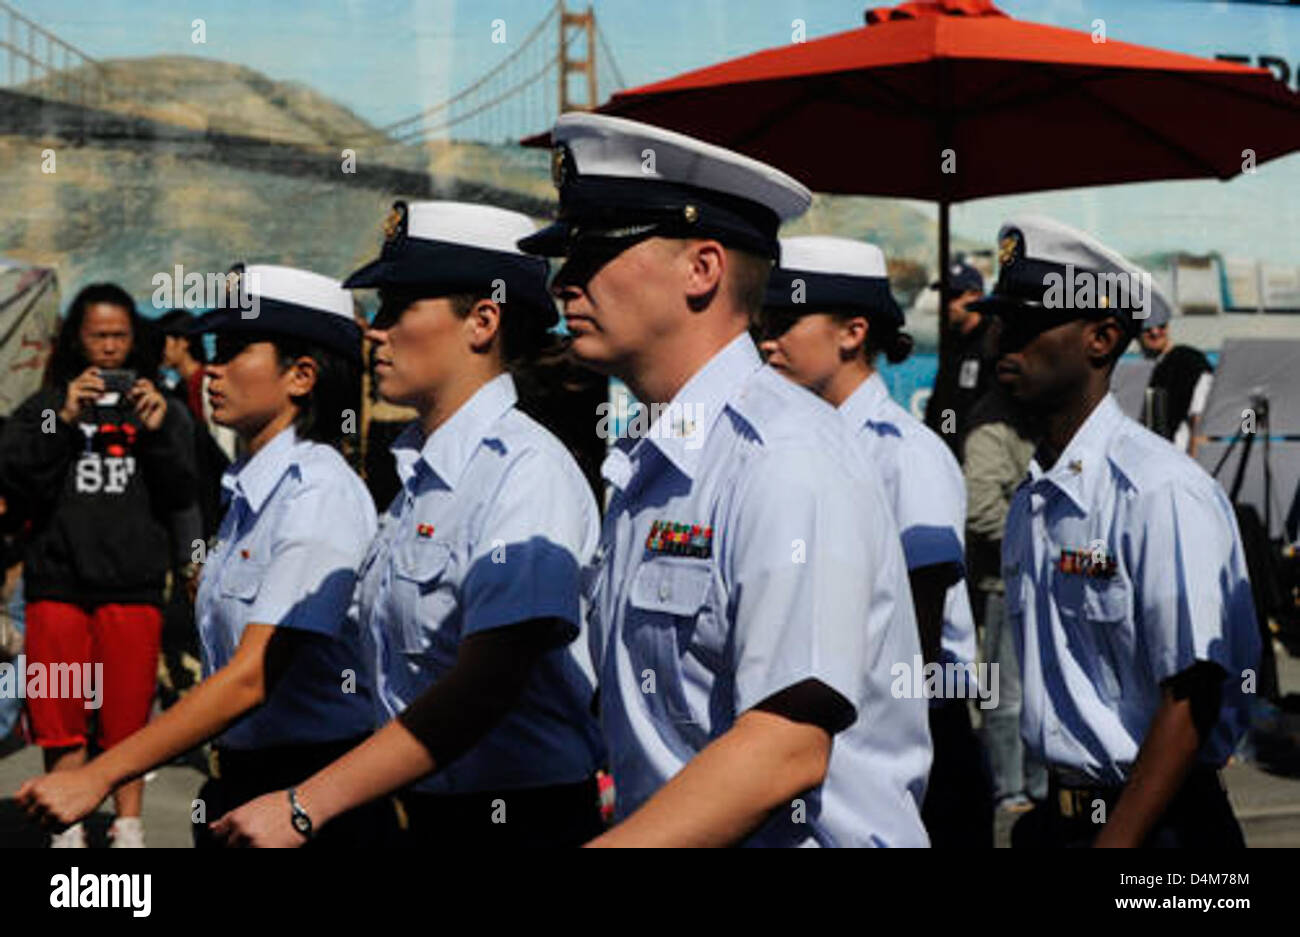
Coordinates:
[440,248]
[620,178]
[274,300]
[819,273]
[1054,273]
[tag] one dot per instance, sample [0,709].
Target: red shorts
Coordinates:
[123,638]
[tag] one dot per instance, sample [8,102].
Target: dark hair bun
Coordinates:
[899,347]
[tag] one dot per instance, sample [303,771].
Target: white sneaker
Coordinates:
[127,833]
[74,837]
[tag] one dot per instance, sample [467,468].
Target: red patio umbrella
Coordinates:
[1009,106]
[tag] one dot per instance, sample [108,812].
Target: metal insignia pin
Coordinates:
[395,223]
[691,213]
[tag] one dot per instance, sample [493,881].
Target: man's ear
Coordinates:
[1105,340]
[706,266]
[483,322]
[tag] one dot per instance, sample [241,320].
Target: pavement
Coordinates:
[1264,788]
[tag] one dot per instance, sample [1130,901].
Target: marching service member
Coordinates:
[470,593]
[828,316]
[749,598]
[285,689]
[1125,577]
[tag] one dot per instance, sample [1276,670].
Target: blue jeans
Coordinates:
[1015,772]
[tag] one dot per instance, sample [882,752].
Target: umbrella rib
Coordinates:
[1207,167]
[770,119]
[901,101]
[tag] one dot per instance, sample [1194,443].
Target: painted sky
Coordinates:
[386,59]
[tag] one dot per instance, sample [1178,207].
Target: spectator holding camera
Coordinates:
[98,460]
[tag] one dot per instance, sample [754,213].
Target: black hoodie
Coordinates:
[99,497]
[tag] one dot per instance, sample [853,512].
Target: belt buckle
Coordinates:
[1075,802]
[1066,799]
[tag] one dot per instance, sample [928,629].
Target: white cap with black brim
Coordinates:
[273,300]
[1055,273]
[620,178]
[439,248]
[819,273]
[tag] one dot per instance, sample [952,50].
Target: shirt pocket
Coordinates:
[425,597]
[668,602]
[242,579]
[1106,611]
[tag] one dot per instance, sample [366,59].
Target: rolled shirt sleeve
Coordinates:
[931,508]
[803,570]
[309,578]
[532,545]
[1193,589]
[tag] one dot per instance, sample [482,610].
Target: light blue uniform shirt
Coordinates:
[806,581]
[492,527]
[1094,649]
[297,525]
[924,485]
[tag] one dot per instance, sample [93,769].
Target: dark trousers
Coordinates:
[244,775]
[1198,817]
[958,808]
[554,817]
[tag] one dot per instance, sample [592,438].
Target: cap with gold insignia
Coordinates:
[819,273]
[278,300]
[441,248]
[1050,273]
[620,179]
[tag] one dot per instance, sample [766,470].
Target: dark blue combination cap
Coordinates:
[962,278]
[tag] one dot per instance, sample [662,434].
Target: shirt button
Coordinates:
[664,591]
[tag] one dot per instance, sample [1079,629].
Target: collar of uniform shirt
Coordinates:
[864,403]
[447,450]
[255,478]
[1076,471]
[700,401]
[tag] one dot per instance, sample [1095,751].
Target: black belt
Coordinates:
[554,815]
[1075,797]
[280,761]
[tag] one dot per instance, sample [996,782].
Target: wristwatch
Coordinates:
[301,822]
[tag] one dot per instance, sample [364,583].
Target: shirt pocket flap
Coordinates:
[242,579]
[1105,600]
[421,560]
[674,586]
